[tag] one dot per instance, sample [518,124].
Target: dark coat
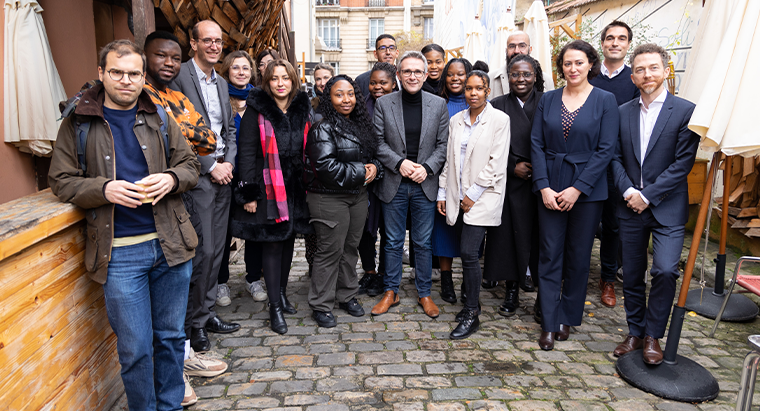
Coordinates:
[335,160]
[289,132]
[512,246]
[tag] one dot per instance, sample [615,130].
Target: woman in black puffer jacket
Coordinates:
[340,162]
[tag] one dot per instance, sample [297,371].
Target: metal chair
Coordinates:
[749,373]
[750,282]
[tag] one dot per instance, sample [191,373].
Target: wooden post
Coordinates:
[578,24]
[143,19]
[303,67]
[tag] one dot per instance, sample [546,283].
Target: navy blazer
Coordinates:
[582,160]
[667,162]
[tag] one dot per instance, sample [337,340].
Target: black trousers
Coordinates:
[610,243]
[275,260]
[470,238]
[565,242]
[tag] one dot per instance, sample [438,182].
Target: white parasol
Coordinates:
[33,87]
[537,28]
[727,95]
[504,28]
[474,43]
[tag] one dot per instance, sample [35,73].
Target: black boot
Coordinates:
[537,314]
[364,283]
[447,288]
[526,283]
[511,300]
[376,285]
[287,308]
[463,297]
[460,315]
[469,324]
[276,318]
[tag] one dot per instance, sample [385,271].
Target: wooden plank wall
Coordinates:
[57,350]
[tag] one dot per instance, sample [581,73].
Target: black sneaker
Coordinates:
[376,285]
[324,319]
[352,307]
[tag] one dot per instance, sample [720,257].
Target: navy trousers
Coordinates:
[667,241]
[565,242]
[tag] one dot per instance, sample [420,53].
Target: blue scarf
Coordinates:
[238,93]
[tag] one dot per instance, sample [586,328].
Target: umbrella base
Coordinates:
[738,309]
[684,381]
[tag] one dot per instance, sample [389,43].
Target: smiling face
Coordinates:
[164,58]
[649,74]
[320,79]
[475,92]
[385,50]
[521,79]
[121,94]
[435,64]
[343,98]
[455,77]
[380,84]
[281,84]
[208,54]
[615,43]
[240,72]
[413,74]
[263,63]
[575,67]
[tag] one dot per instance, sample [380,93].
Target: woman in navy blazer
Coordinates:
[573,139]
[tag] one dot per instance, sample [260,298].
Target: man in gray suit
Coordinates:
[211,197]
[412,129]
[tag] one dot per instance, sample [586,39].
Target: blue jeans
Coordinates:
[146,302]
[409,195]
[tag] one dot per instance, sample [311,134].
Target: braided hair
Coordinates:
[539,85]
[443,92]
[358,122]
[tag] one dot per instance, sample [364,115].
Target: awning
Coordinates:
[33,87]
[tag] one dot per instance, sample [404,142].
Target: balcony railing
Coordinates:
[375,3]
[332,45]
[328,2]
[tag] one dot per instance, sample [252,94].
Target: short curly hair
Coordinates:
[647,49]
[591,55]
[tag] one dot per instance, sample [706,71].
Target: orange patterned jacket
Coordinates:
[198,135]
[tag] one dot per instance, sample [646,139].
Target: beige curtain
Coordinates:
[33,87]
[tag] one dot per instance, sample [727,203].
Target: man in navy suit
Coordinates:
[655,153]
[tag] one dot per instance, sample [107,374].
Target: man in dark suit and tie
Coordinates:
[655,153]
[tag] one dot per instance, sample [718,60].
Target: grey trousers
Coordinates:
[338,220]
[212,203]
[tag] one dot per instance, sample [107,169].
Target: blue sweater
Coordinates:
[621,86]
[456,104]
[131,166]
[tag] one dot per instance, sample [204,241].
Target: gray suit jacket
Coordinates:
[188,84]
[389,127]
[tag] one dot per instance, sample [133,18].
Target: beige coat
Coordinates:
[485,164]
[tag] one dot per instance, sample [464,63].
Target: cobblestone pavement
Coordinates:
[403,360]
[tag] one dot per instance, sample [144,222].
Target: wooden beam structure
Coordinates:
[144,20]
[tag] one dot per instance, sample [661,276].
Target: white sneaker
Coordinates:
[412,274]
[190,397]
[199,365]
[256,289]
[405,256]
[436,276]
[223,295]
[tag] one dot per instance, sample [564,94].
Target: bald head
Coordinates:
[518,43]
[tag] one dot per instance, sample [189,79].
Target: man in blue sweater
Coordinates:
[615,78]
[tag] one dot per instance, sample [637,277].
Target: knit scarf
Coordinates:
[277,198]
[238,93]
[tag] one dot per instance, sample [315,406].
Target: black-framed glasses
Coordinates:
[520,46]
[527,75]
[409,73]
[208,41]
[389,49]
[133,76]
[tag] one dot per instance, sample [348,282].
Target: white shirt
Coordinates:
[475,191]
[213,106]
[647,119]
[607,73]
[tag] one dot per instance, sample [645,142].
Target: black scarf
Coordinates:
[431,86]
[521,122]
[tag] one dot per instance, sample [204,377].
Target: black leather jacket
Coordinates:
[335,161]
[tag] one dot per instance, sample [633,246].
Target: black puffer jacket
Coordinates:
[335,160]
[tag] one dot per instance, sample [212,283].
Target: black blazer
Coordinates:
[582,160]
[667,162]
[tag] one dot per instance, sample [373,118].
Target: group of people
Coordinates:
[472,164]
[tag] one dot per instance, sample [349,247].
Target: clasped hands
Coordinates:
[222,173]
[562,201]
[636,203]
[413,171]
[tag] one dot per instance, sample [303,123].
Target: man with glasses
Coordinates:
[385,50]
[211,197]
[139,240]
[412,128]
[517,43]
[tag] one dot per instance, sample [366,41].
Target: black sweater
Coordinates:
[621,85]
[412,105]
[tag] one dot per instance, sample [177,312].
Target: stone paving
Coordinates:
[404,361]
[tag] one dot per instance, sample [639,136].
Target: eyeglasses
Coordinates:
[243,69]
[409,73]
[389,49]
[527,75]
[521,46]
[117,75]
[209,41]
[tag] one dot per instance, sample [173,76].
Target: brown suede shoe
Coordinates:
[631,343]
[608,293]
[563,333]
[652,351]
[429,307]
[390,299]
[546,341]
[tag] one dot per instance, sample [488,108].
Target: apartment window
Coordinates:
[329,32]
[335,65]
[429,31]
[376,28]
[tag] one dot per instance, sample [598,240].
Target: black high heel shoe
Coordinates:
[276,318]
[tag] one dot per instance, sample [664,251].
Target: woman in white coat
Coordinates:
[472,186]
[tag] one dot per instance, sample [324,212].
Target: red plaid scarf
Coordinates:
[277,198]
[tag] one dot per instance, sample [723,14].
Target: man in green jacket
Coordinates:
[139,240]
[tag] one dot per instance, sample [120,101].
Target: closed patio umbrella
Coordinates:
[474,43]
[537,27]
[504,28]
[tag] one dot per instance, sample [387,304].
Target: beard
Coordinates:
[651,89]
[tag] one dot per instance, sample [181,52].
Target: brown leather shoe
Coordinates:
[652,351]
[546,341]
[631,343]
[608,293]
[390,299]
[563,333]
[429,307]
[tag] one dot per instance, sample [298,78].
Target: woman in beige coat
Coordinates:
[474,181]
